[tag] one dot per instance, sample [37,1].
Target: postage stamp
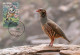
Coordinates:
[11,19]
[10,14]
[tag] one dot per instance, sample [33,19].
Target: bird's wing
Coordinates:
[57,29]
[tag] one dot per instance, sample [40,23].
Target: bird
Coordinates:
[10,13]
[50,27]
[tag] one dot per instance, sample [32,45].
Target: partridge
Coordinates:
[50,27]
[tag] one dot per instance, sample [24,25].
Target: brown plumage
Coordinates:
[50,27]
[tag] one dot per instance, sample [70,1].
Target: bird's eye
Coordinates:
[39,10]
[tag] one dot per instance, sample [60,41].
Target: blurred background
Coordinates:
[66,13]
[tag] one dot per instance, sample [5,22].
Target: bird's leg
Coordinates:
[51,43]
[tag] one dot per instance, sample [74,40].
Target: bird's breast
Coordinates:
[48,30]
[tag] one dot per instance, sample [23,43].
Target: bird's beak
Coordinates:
[37,11]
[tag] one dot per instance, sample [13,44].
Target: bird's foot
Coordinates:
[50,45]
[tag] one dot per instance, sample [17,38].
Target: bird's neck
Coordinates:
[43,19]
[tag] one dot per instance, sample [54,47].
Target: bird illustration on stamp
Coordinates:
[10,13]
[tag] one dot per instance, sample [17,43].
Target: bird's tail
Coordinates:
[67,39]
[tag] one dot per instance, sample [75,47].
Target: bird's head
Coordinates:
[42,12]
